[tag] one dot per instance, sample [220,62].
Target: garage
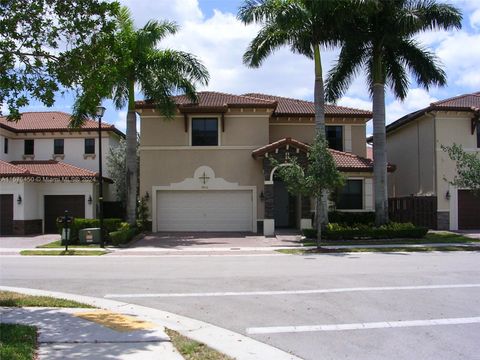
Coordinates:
[468,210]
[198,210]
[6,209]
[55,206]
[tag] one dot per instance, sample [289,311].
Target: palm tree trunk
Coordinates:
[319,101]
[379,155]
[131,157]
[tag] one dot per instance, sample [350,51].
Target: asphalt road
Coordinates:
[358,306]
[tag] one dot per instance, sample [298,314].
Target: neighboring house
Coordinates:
[209,168]
[423,168]
[47,167]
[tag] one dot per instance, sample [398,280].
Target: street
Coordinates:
[339,306]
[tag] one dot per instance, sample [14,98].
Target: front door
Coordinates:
[6,211]
[284,206]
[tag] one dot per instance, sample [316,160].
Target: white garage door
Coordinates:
[212,210]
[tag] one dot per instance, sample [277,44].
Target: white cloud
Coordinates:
[354,102]
[475,19]
[415,100]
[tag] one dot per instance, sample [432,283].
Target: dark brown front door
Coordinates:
[468,210]
[55,206]
[6,214]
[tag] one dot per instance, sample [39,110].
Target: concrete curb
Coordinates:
[225,341]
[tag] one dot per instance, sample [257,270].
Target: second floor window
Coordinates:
[351,196]
[58,146]
[335,137]
[204,132]
[5,146]
[89,146]
[28,147]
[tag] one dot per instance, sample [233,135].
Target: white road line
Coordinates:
[361,326]
[293,292]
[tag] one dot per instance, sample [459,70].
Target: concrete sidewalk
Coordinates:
[72,333]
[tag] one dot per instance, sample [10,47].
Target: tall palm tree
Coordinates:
[304,26]
[157,73]
[382,43]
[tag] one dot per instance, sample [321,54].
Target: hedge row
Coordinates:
[122,236]
[351,218]
[335,231]
[109,225]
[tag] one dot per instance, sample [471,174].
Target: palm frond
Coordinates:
[124,20]
[255,11]
[433,15]
[153,32]
[395,74]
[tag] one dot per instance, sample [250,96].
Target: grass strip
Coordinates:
[63,252]
[385,249]
[17,342]
[430,238]
[58,244]
[193,350]
[14,299]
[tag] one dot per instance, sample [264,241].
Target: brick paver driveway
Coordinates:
[227,240]
[18,242]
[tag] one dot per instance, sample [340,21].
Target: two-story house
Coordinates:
[47,167]
[209,169]
[423,168]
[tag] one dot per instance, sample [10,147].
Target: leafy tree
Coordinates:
[117,170]
[137,64]
[468,168]
[320,174]
[304,26]
[46,46]
[381,42]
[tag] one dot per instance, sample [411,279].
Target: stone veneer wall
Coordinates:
[443,220]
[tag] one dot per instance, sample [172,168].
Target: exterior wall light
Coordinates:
[147,196]
[90,200]
[19,200]
[447,195]
[262,196]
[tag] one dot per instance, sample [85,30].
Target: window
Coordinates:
[335,137]
[28,147]
[204,132]
[5,146]
[351,196]
[89,146]
[58,146]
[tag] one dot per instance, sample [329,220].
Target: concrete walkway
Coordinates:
[67,333]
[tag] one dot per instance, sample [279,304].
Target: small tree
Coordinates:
[117,170]
[318,175]
[468,168]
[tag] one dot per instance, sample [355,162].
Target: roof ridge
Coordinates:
[76,167]
[230,94]
[454,98]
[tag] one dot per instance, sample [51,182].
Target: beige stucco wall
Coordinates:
[411,150]
[451,128]
[301,132]
[161,168]
[359,140]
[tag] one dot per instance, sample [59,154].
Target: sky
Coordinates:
[209,29]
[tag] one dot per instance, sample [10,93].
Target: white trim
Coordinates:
[268,227]
[272,173]
[206,116]
[194,184]
[453,207]
[305,224]
[347,138]
[184,147]
[268,182]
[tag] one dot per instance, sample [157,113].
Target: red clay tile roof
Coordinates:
[49,121]
[289,106]
[345,161]
[465,102]
[213,99]
[45,168]
[283,106]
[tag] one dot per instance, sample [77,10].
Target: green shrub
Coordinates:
[392,230]
[109,225]
[310,233]
[122,236]
[350,218]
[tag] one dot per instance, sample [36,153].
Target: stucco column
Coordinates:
[268,221]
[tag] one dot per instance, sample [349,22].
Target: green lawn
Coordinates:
[395,249]
[63,252]
[14,299]
[17,342]
[193,350]
[430,238]
[58,244]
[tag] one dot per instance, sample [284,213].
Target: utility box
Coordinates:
[89,236]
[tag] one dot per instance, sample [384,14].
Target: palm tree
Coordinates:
[382,44]
[304,26]
[157,73]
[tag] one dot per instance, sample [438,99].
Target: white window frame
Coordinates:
[219,130]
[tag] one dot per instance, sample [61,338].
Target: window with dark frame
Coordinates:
[205,132]
[351,196]
[58,146]
[334,135]
[89,146]
[5,146]
[29,147]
